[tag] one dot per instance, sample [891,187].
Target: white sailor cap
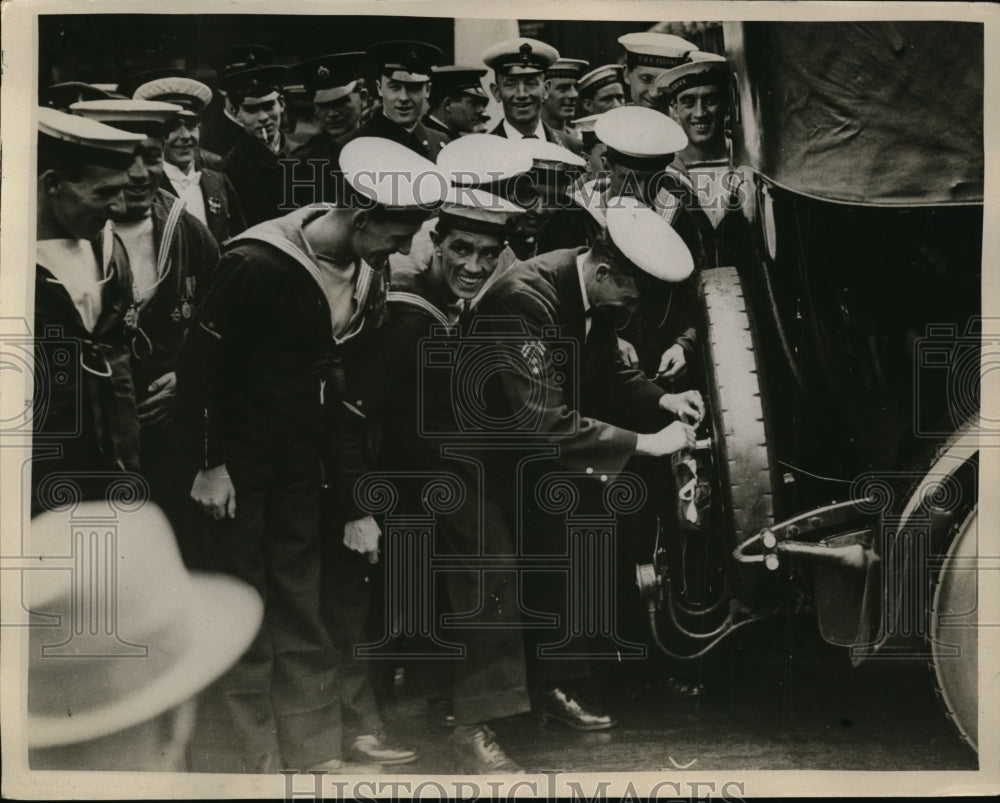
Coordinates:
[86,141]
[477,211]
[599,78]
[147,117]
[477,159]
[647,241]
[520,56]
[392,175]
[655,49]
[641,138]
[192,96]
[567,68]
[702,70]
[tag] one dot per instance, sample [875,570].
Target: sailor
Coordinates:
[404,86]
[519,67]
[222,126]
[698,96]
[647,55]
[458,101]
[602,89]
[559,106]
[170,254]
[451,258]
[83,309]
[209,195]
[254,163]
[600,413]
[337,92]
[261,379]
[640,148]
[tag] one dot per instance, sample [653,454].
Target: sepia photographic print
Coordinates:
[471,400]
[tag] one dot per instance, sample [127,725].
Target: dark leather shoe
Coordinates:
[441,712]
[370,749]
[479,753]
[566,707]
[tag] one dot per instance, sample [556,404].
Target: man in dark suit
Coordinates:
[208,194]
[599,413]
[457,101]
[519,67]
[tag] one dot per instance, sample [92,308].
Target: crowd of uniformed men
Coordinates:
[251,319]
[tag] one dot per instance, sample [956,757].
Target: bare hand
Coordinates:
[628,353]
[214,493]
[159,408]
[668,440]
[672,362]
[362,536]
[687,406]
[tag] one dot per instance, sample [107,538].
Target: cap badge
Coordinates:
[322,71]
[525,51]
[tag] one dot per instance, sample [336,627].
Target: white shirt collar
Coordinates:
[175,174]
[513,133]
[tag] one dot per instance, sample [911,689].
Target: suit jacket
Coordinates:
[562,379]
[223,211]
[551,135]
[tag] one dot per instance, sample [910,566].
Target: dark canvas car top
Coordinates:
[884,113]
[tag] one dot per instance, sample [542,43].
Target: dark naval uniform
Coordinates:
[433,124]
[489,681]
[591,407]
[258,177]
[223,210]
[85,420]
[186,254]
[428,143]
[261,362]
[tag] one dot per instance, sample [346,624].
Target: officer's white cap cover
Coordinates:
[520,56]
[392,175]
[647,240]
[639,132]
[482,159]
